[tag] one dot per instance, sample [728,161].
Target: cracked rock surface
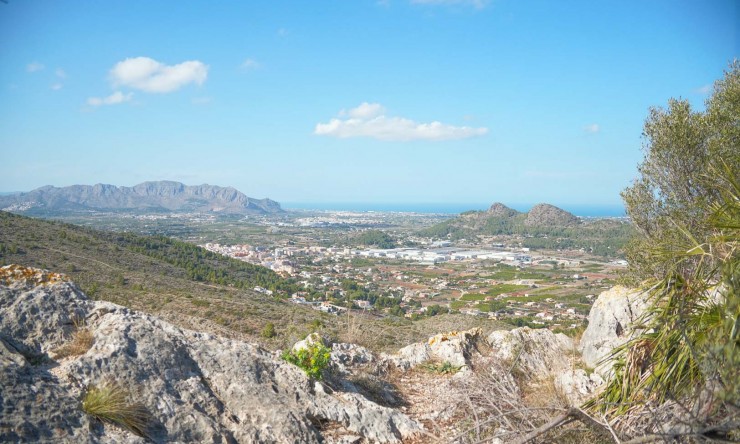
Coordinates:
[196,387]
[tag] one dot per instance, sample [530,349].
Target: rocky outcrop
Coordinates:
[147,196]
[540,355]
[453,347]
[534,352]
[195,387]
[610,325]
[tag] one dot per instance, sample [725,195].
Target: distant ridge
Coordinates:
[159,196]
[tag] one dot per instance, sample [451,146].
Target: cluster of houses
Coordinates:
[282,259]
[278,259]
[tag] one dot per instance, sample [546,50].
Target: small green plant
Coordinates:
[109,402]
[313,359]
[268,331]
[443,368]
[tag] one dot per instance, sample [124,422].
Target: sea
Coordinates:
[583,210]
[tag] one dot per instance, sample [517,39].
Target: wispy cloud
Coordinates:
[113,99]
[477,4]
[369,120]
[364,111]
[282,32]
[56,86]
[34,67]
[704,90]
[250,64]
[592,128]
[149,75]
[59,72]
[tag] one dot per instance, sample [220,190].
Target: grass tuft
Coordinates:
[109,402]
[82,341]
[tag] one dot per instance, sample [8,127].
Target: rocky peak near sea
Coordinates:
[549,215]
[500,210]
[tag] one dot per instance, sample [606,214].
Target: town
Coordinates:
[515,285]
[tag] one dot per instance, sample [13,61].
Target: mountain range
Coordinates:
[159,196]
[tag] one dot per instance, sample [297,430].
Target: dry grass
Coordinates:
[109,402]
[82,341]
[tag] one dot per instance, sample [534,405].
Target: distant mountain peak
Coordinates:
[500,210]
[544,214]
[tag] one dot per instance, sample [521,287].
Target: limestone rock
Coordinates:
[535,353]
[578,385]
[345,357]
[197,387]
[609,324]
[313,338]
[454,347]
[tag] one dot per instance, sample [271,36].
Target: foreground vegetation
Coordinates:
[112,403]
[684,363]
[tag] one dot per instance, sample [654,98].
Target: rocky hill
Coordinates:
[144,197]
[546,215]
[543,226]
[77,370]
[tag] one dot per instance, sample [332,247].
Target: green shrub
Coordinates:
[312,359]
[109,402]
[269,331]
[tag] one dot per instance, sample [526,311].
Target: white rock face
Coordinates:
[577,385]
[539,355]
[609,324]
[534,352]
[453,347]
[197,387]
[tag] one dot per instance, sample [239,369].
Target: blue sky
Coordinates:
[350,101]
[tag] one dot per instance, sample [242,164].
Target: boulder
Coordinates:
[454,347]
[578,385]
[311,339]
[610,325]
[534,353]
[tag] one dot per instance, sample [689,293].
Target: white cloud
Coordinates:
[149,75]
[369,120]
[282,32]
[34,66]
[704,90]
[60,73]
[250,64]
[56,86]
[477,4]
[364,111]
[593,128]
[113,99]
